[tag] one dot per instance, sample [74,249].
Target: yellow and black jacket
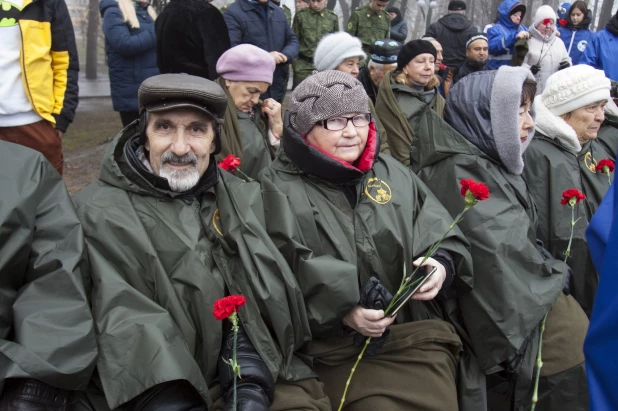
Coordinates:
[48,60]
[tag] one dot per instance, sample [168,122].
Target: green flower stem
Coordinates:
[244,175]
[539,362]
[347,383]
[234,363]
[609,175]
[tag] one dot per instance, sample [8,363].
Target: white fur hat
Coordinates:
[575,87]
[334,49]
[542,13]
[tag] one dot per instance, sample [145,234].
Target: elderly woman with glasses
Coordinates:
[350,222]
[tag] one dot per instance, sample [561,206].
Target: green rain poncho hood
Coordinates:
[46,328]
[555,162]
[514,285]
[160,259]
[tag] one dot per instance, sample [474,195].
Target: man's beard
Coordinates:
[476,65]
[179,179]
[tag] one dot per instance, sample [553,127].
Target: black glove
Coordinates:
[535,69]
[543,251]
[177,395]
[563,65]
[27,394]
[373,296]
[255,389]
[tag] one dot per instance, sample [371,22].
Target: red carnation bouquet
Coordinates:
[227,307]
[570,197]
[472,192]
[231,164]
[607,167]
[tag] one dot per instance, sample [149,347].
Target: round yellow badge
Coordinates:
[590,162]
[378,191]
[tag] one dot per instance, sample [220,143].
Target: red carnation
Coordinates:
[606,163]
[572,194]
[563,22]
[230,163]
[478,190]
[546,21]
[607,167]
[226,306]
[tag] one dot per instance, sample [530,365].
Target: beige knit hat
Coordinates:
[575,87]
[323,95]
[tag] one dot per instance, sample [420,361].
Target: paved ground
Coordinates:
[86,139]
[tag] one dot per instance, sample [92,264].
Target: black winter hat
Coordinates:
[384,51]
[456,5]
[518,7]
[412,49]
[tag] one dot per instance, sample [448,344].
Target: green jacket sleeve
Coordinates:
[311,271]
[352,27]
[133,329]
[514,286]
[46,328]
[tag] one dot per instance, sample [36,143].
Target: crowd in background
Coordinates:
[310,204]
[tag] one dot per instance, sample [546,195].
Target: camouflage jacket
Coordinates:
[310,27]
[369,26]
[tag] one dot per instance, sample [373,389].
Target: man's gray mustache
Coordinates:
[189,158]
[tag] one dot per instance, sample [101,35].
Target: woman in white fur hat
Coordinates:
[546,52]
[564,154]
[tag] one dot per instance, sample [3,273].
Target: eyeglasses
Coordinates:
[339,123]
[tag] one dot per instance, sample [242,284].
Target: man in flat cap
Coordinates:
[168,234]
[477,54]
[382,59]
[452,31]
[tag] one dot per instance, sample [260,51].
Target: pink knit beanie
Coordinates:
[246,62]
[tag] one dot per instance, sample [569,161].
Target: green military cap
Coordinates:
[384,51]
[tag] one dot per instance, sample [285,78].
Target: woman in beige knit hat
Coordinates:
[564,154]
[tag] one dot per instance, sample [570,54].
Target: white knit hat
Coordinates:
[334,48]
[542,13]
[575,87]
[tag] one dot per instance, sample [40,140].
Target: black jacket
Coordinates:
[466,69]
[191,36]
[452,31]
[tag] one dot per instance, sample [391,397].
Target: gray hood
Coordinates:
[484,106]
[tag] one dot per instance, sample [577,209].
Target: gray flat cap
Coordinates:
[168,91]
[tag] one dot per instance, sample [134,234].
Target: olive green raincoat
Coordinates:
[245,137]
[159,261]
[337,226]
[405,114]
[46,328]
[514,285]
[608,134]
[550,170]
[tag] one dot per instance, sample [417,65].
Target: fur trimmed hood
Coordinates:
[555,127]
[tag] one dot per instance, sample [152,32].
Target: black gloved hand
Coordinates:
[543,251]
[256,387]
[177,395]
[535,69]
[373,296]
[563,65]
[566,284]
[249,397]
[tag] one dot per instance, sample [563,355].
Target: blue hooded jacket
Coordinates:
[602,50]
[502,36]
[602,338]
[131,53]
[576,38]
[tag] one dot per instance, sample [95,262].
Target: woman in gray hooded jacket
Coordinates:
[517,282]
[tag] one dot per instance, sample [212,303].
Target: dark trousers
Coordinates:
[40,136]
[127,117]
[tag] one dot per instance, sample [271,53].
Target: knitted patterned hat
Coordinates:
[575,87]
[323,95]
[246,62]
[334,48]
